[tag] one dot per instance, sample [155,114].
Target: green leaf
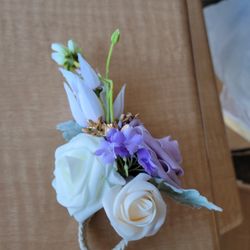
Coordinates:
[190,197]
[69,129]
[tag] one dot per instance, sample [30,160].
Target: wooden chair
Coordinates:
[163,57]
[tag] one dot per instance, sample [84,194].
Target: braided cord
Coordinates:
[121,245]
[82,240]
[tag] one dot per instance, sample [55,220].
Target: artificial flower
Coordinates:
[81,179]
[84,103]
[113,146]
[158,157]
[137,210]
[65,56]
[119,103]
[111,159]
[161,157]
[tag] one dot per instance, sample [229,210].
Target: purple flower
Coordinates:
[123,143]
[133,139]
[158,157]
[116,139]
[171,147]
[165,154]
[107,152]
[147,160]
[113,146]
[163,157]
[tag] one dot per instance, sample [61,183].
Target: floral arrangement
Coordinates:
[111,160]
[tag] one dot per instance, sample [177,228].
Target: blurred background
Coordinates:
[228,30]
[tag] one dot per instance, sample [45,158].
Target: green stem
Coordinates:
[111,102]
[109,95]
[107,101]
[108,83]
[103,106]
[108,60]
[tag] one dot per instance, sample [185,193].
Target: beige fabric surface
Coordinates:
[154,58]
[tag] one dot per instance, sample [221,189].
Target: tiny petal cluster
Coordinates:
[66,56]
[119,143]
[156,157]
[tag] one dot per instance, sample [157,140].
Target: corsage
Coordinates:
[110,160]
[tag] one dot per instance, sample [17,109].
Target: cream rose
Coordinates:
[136,210]
[81,179]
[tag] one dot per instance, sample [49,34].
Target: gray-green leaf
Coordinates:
[69,129]
[190,197]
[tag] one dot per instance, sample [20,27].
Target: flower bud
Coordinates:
[115,37]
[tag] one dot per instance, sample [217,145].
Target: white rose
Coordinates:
[81,179]
[136,210]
